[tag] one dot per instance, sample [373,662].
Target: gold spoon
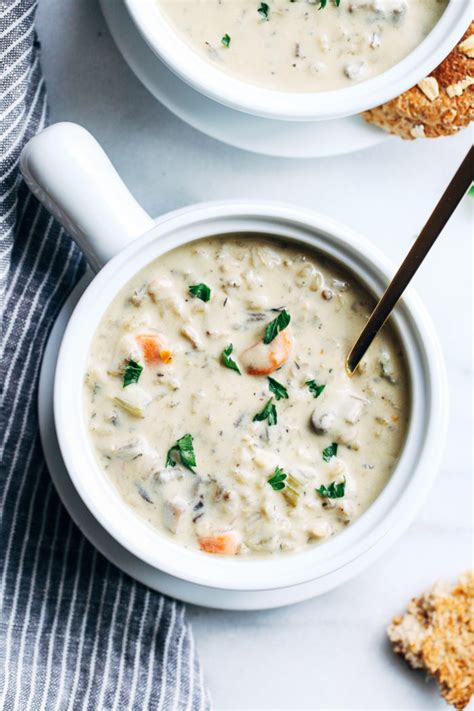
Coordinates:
[452,196]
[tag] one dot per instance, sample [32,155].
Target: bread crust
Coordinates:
[416,114]
[437,634]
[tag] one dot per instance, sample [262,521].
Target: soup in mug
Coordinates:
[218,403]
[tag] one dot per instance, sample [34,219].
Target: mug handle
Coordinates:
[69,172]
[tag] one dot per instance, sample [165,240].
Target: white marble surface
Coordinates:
[331,652]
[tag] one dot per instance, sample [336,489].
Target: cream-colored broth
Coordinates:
[302,47]
[133,427]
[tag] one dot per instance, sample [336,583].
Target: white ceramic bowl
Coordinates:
[69,172]
[311,106]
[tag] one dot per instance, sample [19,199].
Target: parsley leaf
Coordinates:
[200,291]
[333,491]
[226,40]
[268,413]
[228,361]
[323,3]
[330,452]
[314,388]
[277,481]
[132,372]
[278,324]
[264,10]
[279,390]
[183,448]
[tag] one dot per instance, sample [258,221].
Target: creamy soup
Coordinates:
[218,404]
[297,45]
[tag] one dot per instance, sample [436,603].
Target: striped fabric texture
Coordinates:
[76,633]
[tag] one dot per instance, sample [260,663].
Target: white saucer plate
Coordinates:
[286,139]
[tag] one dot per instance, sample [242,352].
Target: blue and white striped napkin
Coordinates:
[76,632]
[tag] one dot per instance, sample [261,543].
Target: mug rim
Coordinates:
[243,96]
[410,480]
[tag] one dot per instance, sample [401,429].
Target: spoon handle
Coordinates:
[450,199]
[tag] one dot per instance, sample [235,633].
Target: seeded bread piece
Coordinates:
[437,634]
[439,105]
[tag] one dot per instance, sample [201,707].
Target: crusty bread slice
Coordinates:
[437,634]
[439,105]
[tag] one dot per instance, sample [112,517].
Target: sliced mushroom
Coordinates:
[322,423]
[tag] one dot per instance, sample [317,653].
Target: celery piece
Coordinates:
[133,400]
[292,490]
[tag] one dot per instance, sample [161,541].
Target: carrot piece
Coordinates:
[166,356]
[154,349]
[263,359]
[223,543]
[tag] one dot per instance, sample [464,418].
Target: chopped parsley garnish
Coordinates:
[278,324]
[200,291]
[226,40]
[323,3]
[264,10]
[279,390]
[228,361]
[268,413]
[132,372]
[333,491]
[184,449]
[277,480]
[330,452]
[314,388]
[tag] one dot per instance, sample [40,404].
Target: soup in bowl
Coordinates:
[301,45]
[298,59]
[218,404]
